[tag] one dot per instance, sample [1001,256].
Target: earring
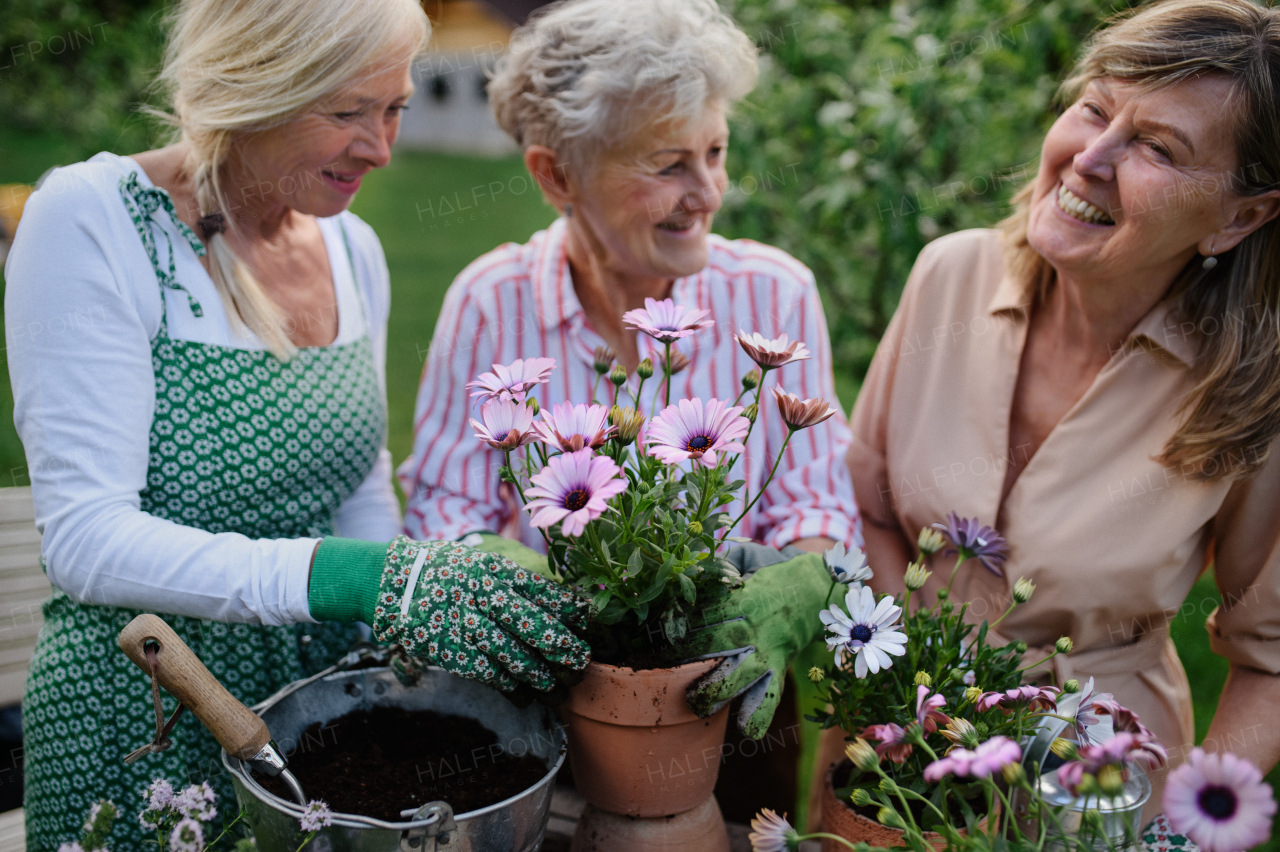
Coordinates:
[1210,262]
[568,211]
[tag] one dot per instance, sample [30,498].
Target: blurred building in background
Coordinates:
[450,111]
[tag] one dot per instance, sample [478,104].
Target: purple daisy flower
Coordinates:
[1034,697]
[507,424]
[687,430]
[990,757]
[1220,802]
[512,381]
[771,354]
[973,539]
[572,427]
[666,321]
[573,490]
[772,833]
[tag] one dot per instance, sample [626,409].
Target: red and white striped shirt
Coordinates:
[518,301]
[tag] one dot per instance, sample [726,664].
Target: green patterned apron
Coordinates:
[240,442]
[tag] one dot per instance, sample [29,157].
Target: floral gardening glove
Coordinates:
[759,631]
[475,614]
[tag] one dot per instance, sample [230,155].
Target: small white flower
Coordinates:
[187,836]
[850,567]
[196,802]
[317,816]
[868,631]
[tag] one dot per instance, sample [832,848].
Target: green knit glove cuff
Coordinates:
[345,575]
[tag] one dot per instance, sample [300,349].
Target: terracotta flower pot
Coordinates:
[636,747]
[843,821]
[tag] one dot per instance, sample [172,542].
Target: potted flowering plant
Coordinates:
[636,503]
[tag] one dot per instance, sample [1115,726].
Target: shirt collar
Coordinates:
[1159,326]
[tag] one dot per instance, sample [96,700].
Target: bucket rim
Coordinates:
[238,770]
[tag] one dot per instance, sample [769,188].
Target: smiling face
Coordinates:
[1136,183]
[650,206]
[314,163]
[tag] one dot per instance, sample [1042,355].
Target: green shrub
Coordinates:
[80,69]
[877,128]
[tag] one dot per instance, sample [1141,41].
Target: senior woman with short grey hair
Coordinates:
[620,109]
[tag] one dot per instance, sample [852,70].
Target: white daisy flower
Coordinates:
[868,631]
[850,567]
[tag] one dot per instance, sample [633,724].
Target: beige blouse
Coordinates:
[1112,539]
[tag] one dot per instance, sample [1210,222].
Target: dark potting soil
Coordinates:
[379,762]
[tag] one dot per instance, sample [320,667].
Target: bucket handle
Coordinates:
[441,828]
[237,728]
[357,653]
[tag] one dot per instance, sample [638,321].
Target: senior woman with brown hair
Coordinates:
[1100,378]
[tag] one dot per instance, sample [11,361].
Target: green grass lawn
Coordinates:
[435,214]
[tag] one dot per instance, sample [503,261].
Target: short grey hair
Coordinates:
[583,76]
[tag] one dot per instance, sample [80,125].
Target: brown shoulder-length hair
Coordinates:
[1232,414]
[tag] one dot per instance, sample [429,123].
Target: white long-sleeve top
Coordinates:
[518,301]
[82,305]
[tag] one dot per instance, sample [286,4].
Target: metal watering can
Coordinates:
[517,824]
[1121,814]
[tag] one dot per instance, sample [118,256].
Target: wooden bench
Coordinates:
[23,588]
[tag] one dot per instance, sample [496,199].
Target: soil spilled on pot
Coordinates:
[381,761]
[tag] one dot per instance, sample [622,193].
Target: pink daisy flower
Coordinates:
[771,354]
[513,380]
[666,321]
[992,756]
[573,490]
[892,739]
[572,427]
[772,833]
[1220,802]
[687,430]
[800,413]
[1034,697]
[507,424]
[927,712]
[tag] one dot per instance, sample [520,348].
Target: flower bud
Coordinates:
[695,528]
[816,675]
[862,754]
[1013,773]
[1064,645]
[888,787]
[889,817]
[533,406]
[1064,749]
[751,412]
[1111,779]
[861,797]
[602,359]
[645,369]
[679,362]
[1022,590]
[923,679]
[929,541]
[917,576]
[1071,687]
[627,422]
[751,380]
[945,607]
[972,694]
[1020,646]
[618,376]
[943,594]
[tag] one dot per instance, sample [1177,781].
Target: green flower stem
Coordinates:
[524,501]
[961,557]
[595,386]
[763,486]
[1002,615]
[239,816]
[666,370]
[1039,663]
[820,835]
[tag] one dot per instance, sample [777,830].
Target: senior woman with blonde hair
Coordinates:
[620,110]
[1100,379]
[196,443]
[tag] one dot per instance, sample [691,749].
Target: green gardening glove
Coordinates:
[475,614]
[759,631]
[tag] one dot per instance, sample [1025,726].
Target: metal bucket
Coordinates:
[1121,814]
[517,824]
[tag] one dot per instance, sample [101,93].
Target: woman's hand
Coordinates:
[478,615]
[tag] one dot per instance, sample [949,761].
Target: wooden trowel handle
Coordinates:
[237,728]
